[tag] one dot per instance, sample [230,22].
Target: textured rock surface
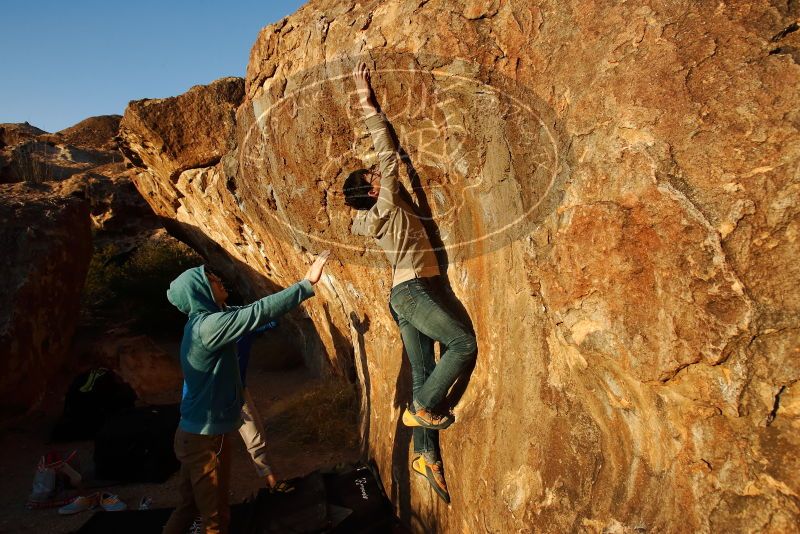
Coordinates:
[184,132]
[617,191]
[73,177]
[46,242]
[120,216]
[33,155]
[85,160]
[141,362]
[96,133]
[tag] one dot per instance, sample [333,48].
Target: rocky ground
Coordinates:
[277,394]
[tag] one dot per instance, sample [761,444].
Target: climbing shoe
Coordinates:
[425,419]
[434,472]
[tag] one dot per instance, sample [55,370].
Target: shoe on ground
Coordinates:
[79,504]
[111,503]
[434,472]
[425,419]
[282,487]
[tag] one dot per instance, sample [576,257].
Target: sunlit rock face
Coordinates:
[84,161]
[46,243]
[613,191]
[28,154]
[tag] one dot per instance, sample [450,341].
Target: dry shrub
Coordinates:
[325,414]
[132,285]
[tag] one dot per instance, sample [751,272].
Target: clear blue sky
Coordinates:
[63,61]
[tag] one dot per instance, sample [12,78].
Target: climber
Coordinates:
[211,410]
[384,214]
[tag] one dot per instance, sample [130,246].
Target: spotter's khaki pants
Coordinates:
[204,479]
[252,432]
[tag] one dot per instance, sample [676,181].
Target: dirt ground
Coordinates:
[23,442]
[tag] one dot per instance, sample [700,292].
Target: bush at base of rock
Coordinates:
[131,286]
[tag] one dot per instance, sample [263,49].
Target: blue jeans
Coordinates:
[422,321]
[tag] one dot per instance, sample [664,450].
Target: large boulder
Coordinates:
[614,190]
[149,368]
[85,161]
[28,154]
[97,133]
[196,129]
[83,181]
[46,242]
[121,218]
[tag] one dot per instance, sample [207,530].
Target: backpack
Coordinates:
[137,446]
[57,476]
[92,398]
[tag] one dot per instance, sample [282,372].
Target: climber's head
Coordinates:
[218,290]
[197,290]
[361,188]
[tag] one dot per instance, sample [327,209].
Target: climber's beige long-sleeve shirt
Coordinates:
[391,221]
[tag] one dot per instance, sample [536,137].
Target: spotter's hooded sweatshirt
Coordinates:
[213,400]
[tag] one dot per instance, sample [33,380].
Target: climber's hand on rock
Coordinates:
[364,89]
[315,271]
[361,77]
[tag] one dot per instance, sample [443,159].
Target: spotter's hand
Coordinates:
[315,271]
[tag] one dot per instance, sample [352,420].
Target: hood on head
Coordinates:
[191,293]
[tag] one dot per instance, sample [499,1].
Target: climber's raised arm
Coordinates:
[366,96]
[382,141]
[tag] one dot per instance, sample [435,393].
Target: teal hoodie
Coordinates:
[213,402]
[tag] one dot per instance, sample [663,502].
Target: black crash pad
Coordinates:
[349,500]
